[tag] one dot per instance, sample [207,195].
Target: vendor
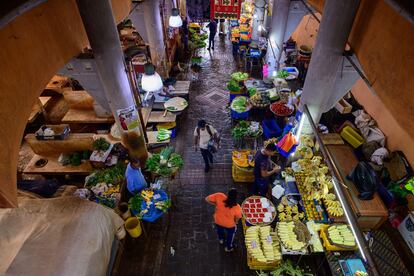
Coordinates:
[263,169]
[134,177]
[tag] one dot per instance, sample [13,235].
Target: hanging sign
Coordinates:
[128,118]
[225,9]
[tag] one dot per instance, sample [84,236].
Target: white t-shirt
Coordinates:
[204,136]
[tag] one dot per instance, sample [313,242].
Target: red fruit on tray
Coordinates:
[253,220]
[259,220]
[252,210]
[257,200]
[259,210]
[249,215]
[264,209]
[261,215]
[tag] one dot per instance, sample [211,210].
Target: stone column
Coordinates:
[320,92]
[280,13]
[146,19]
[259,20]
[103,37]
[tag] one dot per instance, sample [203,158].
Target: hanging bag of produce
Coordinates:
[287,145]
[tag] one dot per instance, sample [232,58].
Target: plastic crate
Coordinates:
[61,132]
[242,174]
[352,137]
[328,245]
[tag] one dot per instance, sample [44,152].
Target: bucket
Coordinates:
[133,226]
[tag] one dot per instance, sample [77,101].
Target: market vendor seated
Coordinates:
[134,177]
[264,168]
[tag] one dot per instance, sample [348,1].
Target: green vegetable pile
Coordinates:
[112,175]
[197,40]
[74,158]
[233,86]
[252,91]
[163,134]
[286,268]
[135,203]
[101,144]
[246,129]
[282,74]
[239,104]
[164,163]
[239,76]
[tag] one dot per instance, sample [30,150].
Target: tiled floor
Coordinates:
[184,242]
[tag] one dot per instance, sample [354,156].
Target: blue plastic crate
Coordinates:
[237,115]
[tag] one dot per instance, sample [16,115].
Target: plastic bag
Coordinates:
[365,179]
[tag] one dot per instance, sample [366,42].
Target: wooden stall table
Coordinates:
[370,213]
[145,111]
[152,139]
[158,117]
[57,84]
[39,107]
[78,116]
[53,167]
[181,89]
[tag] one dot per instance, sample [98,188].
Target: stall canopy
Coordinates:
[62,236]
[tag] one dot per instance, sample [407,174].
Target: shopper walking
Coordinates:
[263,169]
[204,137]
[212,26]
[226,216]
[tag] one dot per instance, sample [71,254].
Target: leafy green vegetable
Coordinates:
[240,76]
[239,104]
[76,159]
[165,163]
[252,91]
[233,86]
[135,203]
[287,268]
[101,144]
[110,175]
[282,74]
[176,161]
[153,162]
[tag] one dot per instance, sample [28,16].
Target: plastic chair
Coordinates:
[271,129]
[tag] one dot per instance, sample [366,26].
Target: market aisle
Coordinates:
[184,241]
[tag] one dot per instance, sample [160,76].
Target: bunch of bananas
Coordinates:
[147,195]
[334,207]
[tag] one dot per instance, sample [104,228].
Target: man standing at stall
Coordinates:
[212,26]
[263,169]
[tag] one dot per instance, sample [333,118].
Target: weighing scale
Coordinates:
[349,267]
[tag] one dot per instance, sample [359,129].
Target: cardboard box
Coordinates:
[343,106]
[406,229]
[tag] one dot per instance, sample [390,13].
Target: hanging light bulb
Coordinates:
[175,20]
[151,81]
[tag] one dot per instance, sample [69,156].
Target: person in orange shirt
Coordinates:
[226,216]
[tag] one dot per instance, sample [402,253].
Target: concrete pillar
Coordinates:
[280,13]
[319,90]
[297,11]
[146,19]
[103,37]
[258,18]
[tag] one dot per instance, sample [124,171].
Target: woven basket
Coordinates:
[263,223]
[336,244]
[302,234]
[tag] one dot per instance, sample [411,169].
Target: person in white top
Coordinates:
[203,133]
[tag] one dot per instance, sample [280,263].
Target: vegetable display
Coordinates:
[163,134]
[233,86]
[240,104]
[240,76]
[101,144]
[111,175]
[252,91]
[260,99]
[246,129]
[282,74]
[281,109]
[165,163]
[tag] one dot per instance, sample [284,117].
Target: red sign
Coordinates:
[225,9]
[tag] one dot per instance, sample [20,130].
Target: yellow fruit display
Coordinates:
[287,235]
[262,244]
[241,158]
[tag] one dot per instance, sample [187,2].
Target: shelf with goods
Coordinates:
[310,187]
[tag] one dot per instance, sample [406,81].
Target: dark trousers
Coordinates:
[226,234]
[208,158]
[211,40]
[260,187]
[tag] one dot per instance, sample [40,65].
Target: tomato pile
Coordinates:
[280,109]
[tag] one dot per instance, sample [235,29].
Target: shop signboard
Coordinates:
[225,9]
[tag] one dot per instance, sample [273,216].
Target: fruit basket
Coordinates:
[331,245]
[294,235]
[280,109]
[258,210]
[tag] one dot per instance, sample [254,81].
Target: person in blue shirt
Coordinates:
[135,179]
[263,169]
[212,26]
